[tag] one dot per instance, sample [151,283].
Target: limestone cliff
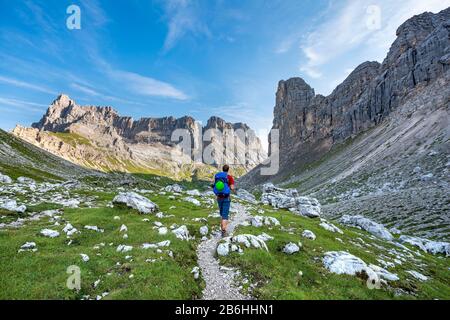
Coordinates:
[98,137]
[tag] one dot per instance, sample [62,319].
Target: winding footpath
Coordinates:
[219,280]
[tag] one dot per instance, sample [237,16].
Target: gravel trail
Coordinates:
[220,280]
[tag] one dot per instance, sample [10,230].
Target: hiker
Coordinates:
[223,186]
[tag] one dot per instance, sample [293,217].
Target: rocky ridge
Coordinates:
[378,145]
[98,137]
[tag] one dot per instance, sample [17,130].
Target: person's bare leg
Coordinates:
[225,225]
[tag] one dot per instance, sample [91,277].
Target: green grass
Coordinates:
[42,274]
[72,138]
[277,272]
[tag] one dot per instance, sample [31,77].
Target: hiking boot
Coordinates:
[224,233]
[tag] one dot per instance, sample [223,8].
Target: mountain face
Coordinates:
[379,143]
[311,123]
[98,137]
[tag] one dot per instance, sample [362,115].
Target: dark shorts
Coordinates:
[224,207]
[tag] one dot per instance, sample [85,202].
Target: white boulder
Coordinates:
[265,237]
[192,200]
[69,229]
[433,247]
[259,221]
[163,231]
[193,192]
[94,228]
[28,246]
[196,272]
[308,207]
[49,233]
[181,233]
[223,249]
[123,248]
[289,199]
[204,230]
[5,179]
[341,262]
[309,235]
[291,248]
[25,180]
[233,243]
[11,205]
[136,201]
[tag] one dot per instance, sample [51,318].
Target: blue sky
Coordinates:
[186,57]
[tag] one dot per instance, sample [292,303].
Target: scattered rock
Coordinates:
[11,205]
[259,221]
[309,235]
[163,231]
[265,237]
[25,180]
[368,225]
[248,240]
[417,275]
[123,228]
[193,192]
[174,188]
[50,233]
[223,249]
[308,207]
[204,230]
[69,229]
[123,248]
[5,179]
[94,228]
[330,227]
[72,203]
[246,196]
[291,248]
[289,199]
[28,246]
[181,233]
[192,200]
[433,247]
[341,262]
[196,272]
[84,257]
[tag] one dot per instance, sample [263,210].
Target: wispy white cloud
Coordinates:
[183,18]
[97,16]
[84,89]
[348,28]
[23,105]
[26,85]
[148,86]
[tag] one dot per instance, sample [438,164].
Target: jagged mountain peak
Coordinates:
[100,138]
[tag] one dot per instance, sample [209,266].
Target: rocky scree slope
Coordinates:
[18,158]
